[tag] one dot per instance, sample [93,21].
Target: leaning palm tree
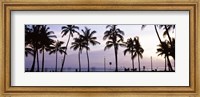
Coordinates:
[166,32]
[156,30]
[115,39]
[172,50]
[164,49]
[89,39]
[130,48]
[45,41]
[165,64]
[68,29]
[167,29]
[79,44]
[138,50]
[55,48]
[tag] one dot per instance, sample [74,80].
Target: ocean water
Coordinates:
[161,69]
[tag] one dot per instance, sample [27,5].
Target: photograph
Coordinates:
[99,47]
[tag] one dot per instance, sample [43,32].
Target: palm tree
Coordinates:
[166,32]
[89,39]
[165,64]
[45,41]
[138,50]
[164,49]
[167,28]
[130,48]
[29,51]
[71,29]
[37,37]
[172,50]
[28,46]
[32,39]
[115,39]
[55,48]
[79,44]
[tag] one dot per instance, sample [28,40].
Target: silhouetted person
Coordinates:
[126,69]
[143,68]
[110,63]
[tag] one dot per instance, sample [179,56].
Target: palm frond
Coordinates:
[52,51]
[126,50]
[120,31]
[108,46]
[143,26]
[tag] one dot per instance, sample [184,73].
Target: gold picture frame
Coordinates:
[120,5]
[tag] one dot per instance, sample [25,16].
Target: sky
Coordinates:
[147,37]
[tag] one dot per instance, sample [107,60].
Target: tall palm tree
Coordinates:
[138,50]
[164,49]
[115,39]
[167,28]
[172,50]
[28,46]
[130,48]
[45,41]
[68,29]
[165,64]
[55,48]
[32,38]
[89,39]
[79,44]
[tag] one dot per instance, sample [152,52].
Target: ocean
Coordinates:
[161,69]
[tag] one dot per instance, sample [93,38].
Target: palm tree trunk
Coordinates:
[167,30]
[165,64]
[169,64]
[79,59]
[174,64]
[168,35]
[33,64]
[88,60]
[116,60]
[157,34]
[38,65]
[63,61]
[43,60]
[151,64]
[139,62]
[56,60]
[160,42]
[132,61]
